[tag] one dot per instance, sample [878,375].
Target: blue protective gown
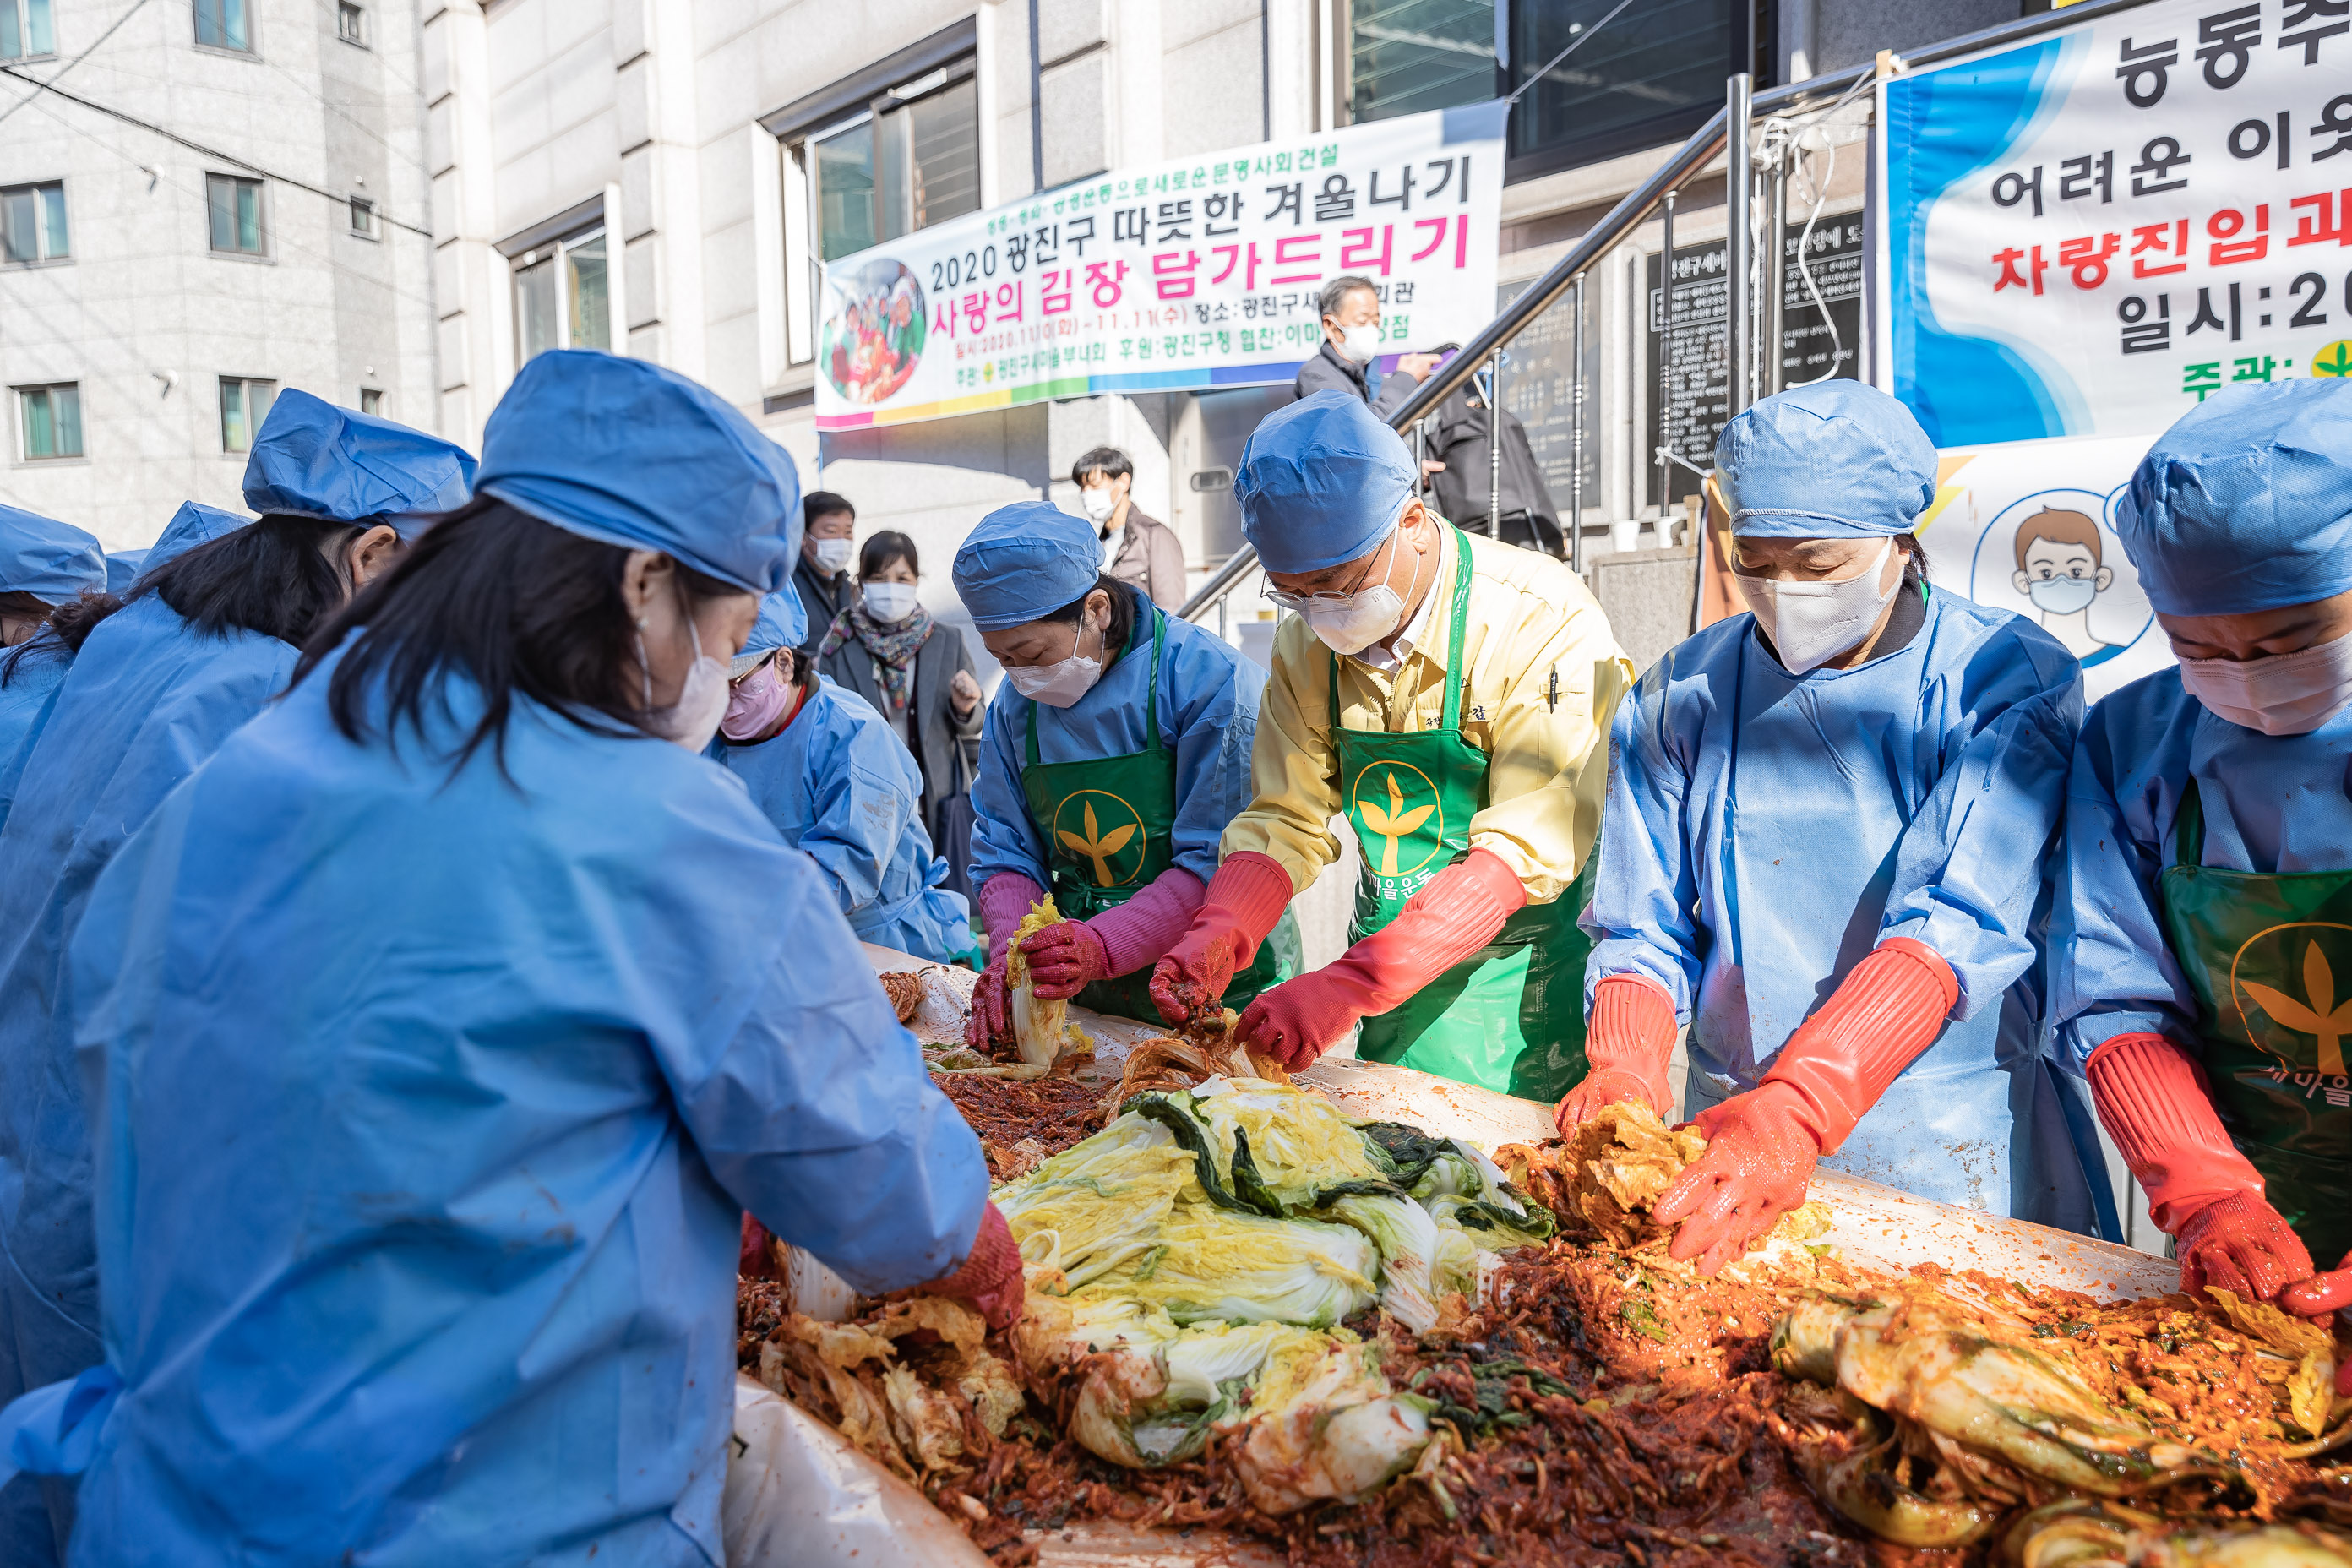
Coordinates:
[1208,715]
[25,700]
[842,787]
[145,702]
[425,1109]
[2272,803]
[1765,832]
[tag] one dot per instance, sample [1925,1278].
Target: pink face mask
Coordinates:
[759,702]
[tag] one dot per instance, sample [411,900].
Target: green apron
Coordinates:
[1106,823]
[2263,953]
[1511,1016]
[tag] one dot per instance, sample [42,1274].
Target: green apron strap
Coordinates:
[2189,828]
[1452,720]
[1150,692]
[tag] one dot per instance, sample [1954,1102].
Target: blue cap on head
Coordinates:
[783,623]
[1832,460]
[50,560]
[624,451]
[1322,481]
[314,459]
[123,569]
[194,523]
[1023,561]
[2246,502]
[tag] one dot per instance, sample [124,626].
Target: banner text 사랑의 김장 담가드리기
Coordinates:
[1186,275]
[2092,232]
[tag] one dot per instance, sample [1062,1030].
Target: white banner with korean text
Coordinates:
[2091,233]
[1191,274]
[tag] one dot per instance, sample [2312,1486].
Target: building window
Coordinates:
[1406,55]
[363,217]
[563,295]
[224,24]
[235,206]
[350,23]
[24,29]
[50,417]
[244,404]
[33,224]
[371,400]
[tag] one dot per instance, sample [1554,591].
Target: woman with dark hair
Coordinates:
[202,642]
[43,564]
[444,1024]
[914,671]
[823,766]
[1116,751]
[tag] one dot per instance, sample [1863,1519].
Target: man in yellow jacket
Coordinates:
[1449,697]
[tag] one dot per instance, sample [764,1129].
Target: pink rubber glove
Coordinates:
[991,1018]
[1762,1145]
[1064,959]
[1245,899]
[990,1277]
[1005,900]
[1627,1047]
[1137,934]
[1455,913]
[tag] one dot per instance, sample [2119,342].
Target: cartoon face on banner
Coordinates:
[2028,526]
[874,330]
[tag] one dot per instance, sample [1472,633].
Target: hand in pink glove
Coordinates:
[991,1278]
[1762,1145]
[991,1008]
[1628,1045]
[1455,913]
[2243,1245]
[1064,959]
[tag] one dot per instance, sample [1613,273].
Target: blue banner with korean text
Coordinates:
[2091,233]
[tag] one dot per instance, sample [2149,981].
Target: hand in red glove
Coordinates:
[1627,1047]
[1762,1145]
[1455,913]
[2243,1245]
[991,1278]
[1246,899]
[1064,959]
[755,1255]
[991,1008]
[2153,1100]
[2320,1295]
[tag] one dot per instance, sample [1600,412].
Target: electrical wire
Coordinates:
[41,85]
[194,146]
[1838,349]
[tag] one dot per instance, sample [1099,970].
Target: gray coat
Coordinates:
[1331,370]
[936,734]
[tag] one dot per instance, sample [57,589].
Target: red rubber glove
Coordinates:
[2317,1297]
[1455,913]
[1245,899]
[754,1257]
[991,1018]
[1627,1047]
[1762,1145]
[991,1278]
[2156,1104]
[1064,959]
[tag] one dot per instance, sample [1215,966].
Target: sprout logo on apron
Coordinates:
[1393,804]
[1104,833]
[2317,1013]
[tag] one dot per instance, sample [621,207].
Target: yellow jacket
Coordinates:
[1530,617]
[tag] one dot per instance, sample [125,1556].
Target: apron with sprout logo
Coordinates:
[1511,1016]
[1106,821]
[2270,955]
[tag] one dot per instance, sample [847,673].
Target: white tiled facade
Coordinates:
[143,317]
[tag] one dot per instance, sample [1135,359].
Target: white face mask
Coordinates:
[1362,344]
[1099,503]
[1059,684]
[1811,623]
[1350,623]
[2284,694]
[833,554]
[693,719]
[890,603]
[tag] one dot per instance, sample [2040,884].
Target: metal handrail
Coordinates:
[1629,214]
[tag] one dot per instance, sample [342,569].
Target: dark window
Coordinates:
[363,217]
[912,160]
[350,23]
[234,208]
[1406,55]
[24,29]
[563,295]
[224,24]
[371,400]
[243,405]
[33,222]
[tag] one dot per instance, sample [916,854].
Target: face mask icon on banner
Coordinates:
[2062,595]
